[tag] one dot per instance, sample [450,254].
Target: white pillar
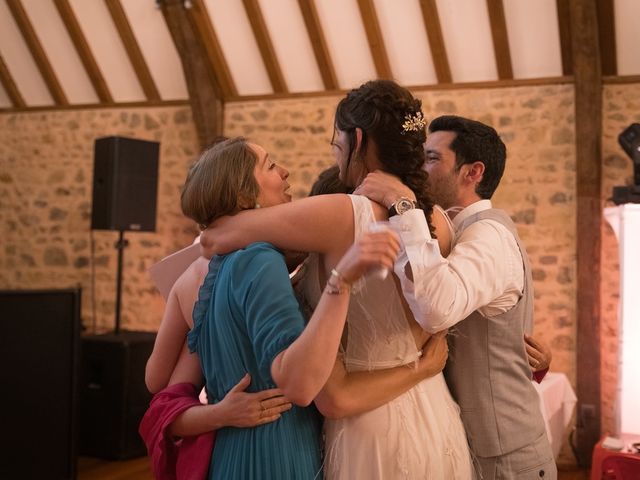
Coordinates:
[625,221]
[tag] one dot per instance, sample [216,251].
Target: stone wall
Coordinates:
[46,172]
[621,107]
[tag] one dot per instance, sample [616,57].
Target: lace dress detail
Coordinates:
[418,435]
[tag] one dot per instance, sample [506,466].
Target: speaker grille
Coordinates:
[125,184]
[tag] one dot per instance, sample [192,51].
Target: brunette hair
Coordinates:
[380,108]
[220,182]
[329,182]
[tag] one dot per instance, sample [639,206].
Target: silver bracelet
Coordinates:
[336,284]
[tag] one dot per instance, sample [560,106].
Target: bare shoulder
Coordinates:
[443,229]
[192,277]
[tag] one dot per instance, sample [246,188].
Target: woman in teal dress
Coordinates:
[247,319]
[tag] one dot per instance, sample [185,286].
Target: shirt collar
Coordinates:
[472,209]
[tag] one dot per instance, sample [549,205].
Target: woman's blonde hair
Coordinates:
[221,182]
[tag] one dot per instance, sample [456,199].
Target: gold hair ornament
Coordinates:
[413,123]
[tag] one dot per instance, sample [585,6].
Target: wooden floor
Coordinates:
[139,469]
[96,469]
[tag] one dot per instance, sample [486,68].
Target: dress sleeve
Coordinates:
[269,307]
[363,215]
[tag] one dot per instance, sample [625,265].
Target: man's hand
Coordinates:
[384,188]
[538,353]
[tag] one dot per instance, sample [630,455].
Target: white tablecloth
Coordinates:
[557,401]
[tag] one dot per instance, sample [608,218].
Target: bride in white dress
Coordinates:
[418,434]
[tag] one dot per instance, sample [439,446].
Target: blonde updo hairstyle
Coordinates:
[221,182]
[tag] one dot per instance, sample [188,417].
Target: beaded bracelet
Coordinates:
[336,284]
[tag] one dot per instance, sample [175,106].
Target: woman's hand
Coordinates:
[538,353]
[371,251]
[241,409]
[435,352]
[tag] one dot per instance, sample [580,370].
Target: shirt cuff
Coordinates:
[411,226]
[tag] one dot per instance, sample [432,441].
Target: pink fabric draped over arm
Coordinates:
[171,459]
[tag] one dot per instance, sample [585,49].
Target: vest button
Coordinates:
[541,473]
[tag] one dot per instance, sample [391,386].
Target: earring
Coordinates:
[257,205]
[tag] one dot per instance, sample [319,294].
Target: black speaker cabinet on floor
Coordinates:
[39,355]
[125,184]
[113,396]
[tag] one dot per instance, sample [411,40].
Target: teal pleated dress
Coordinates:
[245,315]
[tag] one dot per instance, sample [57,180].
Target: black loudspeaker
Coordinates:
[39,352]
[113,395]
[125,184]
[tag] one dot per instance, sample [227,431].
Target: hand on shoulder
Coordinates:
[384,188]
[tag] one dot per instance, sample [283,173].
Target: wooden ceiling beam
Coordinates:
[10,86]
[564,28]
[500,39]
[205,94]
[374,37]
[319,44]
[587,73]
[436,40]
[607,37]
[38,53]
[133,50]
[216,61]
[84,52]
[265,46]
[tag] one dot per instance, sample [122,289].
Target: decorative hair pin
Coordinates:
[413,123]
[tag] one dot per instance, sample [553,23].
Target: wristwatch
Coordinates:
[400,206]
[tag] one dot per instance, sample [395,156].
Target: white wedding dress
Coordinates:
[418,435]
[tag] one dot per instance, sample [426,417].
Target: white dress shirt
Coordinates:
[483,272]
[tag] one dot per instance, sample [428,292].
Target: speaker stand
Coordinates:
[120,246]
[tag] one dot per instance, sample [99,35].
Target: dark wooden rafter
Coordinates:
[205,94]
[374,37]
[265,46]
[84,52]
[500,38]
[607,36]
[39,55]
[589,204]
[319,44]
[436,40]
[133,49]
[10,86]
[564,29]
[207,35]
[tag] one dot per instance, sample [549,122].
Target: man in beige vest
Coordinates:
[482,292]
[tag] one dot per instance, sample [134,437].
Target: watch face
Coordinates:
[404,206]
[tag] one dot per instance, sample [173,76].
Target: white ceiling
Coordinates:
[532,28]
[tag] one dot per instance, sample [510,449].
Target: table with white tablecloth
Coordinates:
[557,401]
